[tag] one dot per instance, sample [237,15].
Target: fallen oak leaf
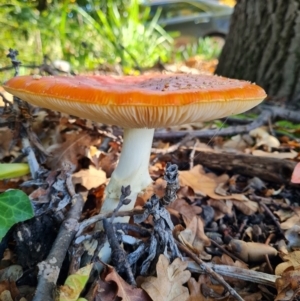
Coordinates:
[186,210]
[291,262]
[89,178]
[205,184]
[194,237]
[70,150]
[125,290]
[292,220]
[168,285]
[288,286]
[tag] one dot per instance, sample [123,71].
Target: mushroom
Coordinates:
[139,105]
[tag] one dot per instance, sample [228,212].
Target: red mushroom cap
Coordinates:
[140,102]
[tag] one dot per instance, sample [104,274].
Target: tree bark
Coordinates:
[263,46]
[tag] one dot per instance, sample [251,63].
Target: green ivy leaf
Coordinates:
[15,207]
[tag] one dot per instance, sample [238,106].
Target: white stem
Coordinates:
[132,168]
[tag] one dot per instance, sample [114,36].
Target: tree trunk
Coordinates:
[263,46]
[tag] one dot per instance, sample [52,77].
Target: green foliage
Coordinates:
[85,33]
[15,207]
[208,48]
[13,170]
[285,124]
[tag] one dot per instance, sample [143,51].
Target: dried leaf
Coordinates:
[294,219]
[168,285]
[288,286]
[224,206]
[194,237]
[89,178]
[69,151]
[125,290]
[195,291]
[74,284]
[103,291]
[8,289]
[248,208]
[206,184]
[187,211]
[204,290]
[292,261]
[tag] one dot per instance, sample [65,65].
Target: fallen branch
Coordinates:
[205,268]
[263,118]
[237,273]
[268,169]
[268,113]
[282,113]
[49,269]
[99,217]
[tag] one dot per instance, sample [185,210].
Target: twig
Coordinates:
[209,270]
[133,228]
[99,217]
[32,161]
[171,176]
[268,211]
[118,255]
[172,148]
[192,155]
[278,112]
[268,113]
[49,269]
[12,54]
[233,130]
[237,273]
[225,251]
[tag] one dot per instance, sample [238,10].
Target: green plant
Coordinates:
[129,38]
[13,170]
[15,207]
[87,33]
[207,48]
